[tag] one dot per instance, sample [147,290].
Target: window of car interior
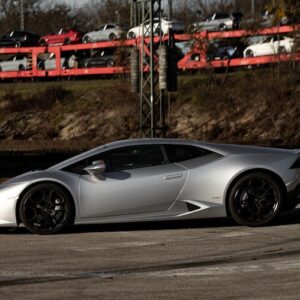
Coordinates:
[123,159]
[178,153]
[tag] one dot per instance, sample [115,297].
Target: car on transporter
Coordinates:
[158,28]
[64,36]
[218,22]
[155,180]
[106,32]
[19,39]
[17,62]
[270,45]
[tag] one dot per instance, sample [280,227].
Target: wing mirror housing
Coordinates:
[97,168]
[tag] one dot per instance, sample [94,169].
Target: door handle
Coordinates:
[173,176]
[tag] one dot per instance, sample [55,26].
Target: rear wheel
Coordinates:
[222,27]
[21,68]
[110,63]
[45,209]
[255,199]
[282,50]
[43,43]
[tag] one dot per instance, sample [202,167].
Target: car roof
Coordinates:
[223,149]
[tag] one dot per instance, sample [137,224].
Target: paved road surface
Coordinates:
[207,259]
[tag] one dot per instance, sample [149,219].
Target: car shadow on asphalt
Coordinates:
[287,218]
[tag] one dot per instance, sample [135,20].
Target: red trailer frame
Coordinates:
[185,64]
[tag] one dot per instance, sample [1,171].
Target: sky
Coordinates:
[73,2]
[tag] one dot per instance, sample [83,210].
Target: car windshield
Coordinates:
[101,27]
[267,40]
[209,17]
[59,31]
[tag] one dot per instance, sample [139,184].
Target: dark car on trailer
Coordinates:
[225,49]
[19,39]
[102,58]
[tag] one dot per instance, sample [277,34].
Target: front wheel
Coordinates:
[45,209]
[86,39]
[255,199]
[67,41]
[131,35]
[249,53]
[112,37]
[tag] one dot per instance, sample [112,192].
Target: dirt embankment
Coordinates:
[249,107]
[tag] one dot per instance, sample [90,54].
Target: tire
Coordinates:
[0,69]
[18,44]
[21,68]
[249,53]
[131,35]
[110,63]
[67,42]
[255,199]
[112,37]
[45,209]
[282,50]
[43,43]
[86,39]
[222,27]
[192,29]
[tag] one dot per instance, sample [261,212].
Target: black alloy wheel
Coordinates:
[18,44]
[45,209]
[222,27]
[67,41]
[43,43]
[249,53]
[131,35]
[110,63]
[86,39]
[255,199]
[282,50]
[112,37]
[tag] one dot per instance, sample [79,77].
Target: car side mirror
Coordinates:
[97,168]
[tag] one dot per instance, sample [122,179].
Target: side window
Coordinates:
[177,153]
[133,158]
[110,27]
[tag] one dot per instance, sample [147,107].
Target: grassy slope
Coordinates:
[246,107]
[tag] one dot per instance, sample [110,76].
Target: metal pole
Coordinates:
[170,9]
[253,7]
[22,15]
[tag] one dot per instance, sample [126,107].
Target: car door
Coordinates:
[137,180]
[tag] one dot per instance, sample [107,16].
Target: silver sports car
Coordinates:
[155,179]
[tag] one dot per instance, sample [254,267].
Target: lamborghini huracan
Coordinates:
[154,180]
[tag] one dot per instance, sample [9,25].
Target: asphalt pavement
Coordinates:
[205,259]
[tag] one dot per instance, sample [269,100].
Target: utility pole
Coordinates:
[22,25]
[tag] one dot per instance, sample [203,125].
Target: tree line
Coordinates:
[42,16]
